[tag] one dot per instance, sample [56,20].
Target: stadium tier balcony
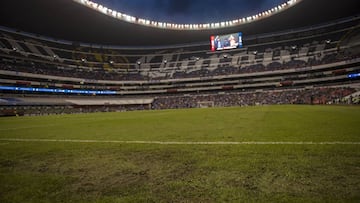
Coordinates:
[183,62]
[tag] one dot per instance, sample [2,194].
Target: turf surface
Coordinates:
[114,172]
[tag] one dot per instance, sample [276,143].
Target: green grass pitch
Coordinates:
[56,171]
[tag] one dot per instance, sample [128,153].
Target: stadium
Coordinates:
[97,105]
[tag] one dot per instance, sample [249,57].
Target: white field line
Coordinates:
[178,143]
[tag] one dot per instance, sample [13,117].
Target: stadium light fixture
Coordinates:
[205,26]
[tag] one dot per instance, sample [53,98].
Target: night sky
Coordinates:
[190,11]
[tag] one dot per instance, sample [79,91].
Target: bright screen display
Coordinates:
[223,42]
[67,91]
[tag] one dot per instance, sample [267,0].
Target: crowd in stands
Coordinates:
[323,95]
[303,96]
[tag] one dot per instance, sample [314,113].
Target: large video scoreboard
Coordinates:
[223,42]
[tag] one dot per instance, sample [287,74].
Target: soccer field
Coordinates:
[265,153]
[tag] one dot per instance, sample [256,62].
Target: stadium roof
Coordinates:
[66,19]
[170,24]
[189,11]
